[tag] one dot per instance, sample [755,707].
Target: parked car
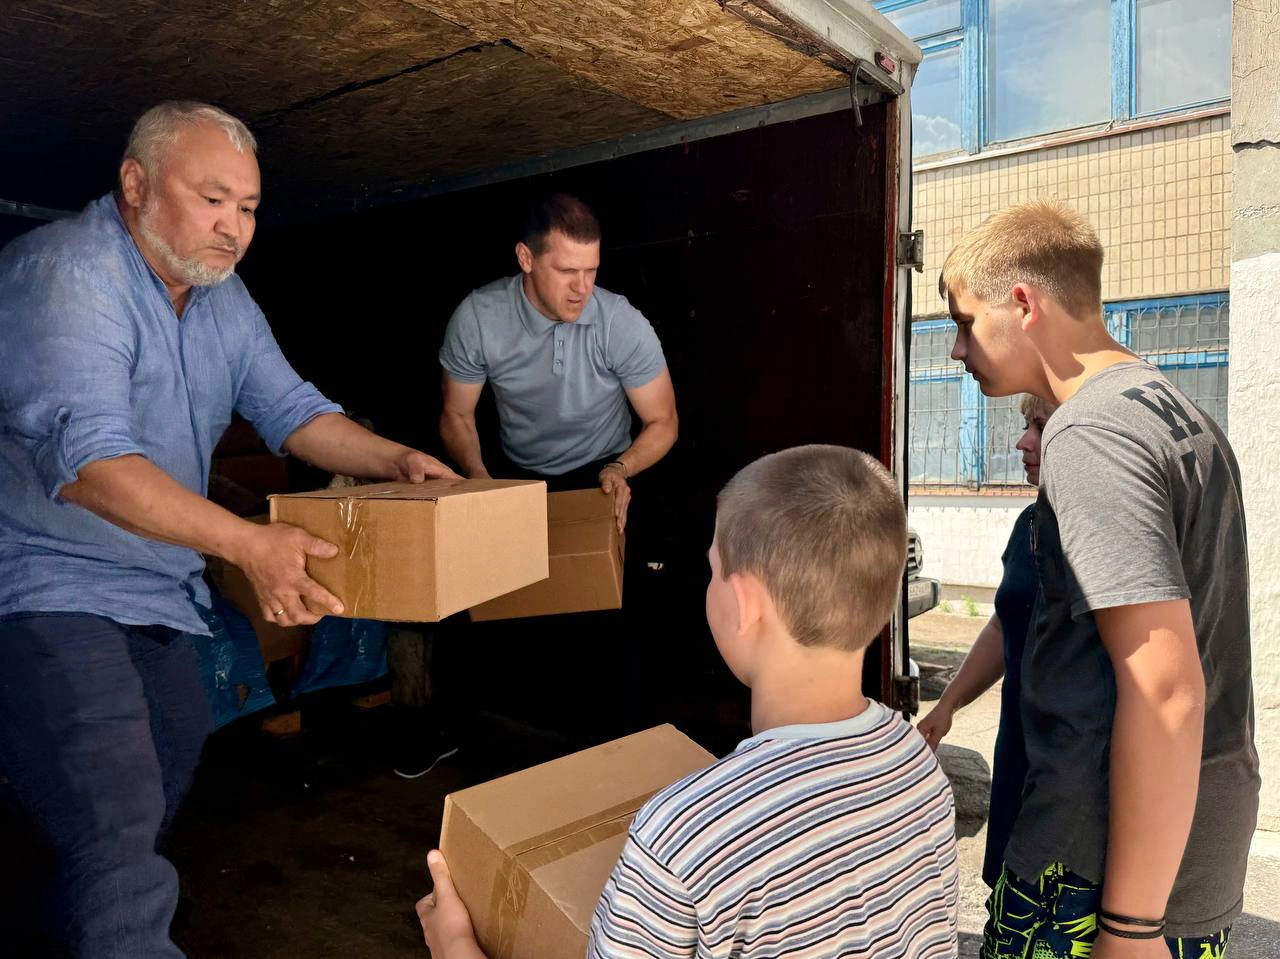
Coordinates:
[922,593]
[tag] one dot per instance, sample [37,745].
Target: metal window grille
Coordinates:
[963,441]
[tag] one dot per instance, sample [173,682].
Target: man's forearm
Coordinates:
[336,444]
[138,496]
[462,442]
[652,443]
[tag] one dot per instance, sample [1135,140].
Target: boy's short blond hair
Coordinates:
[1042,242]
[825,530]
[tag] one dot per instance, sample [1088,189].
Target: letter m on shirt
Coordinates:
[1159,399]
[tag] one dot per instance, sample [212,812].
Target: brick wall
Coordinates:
[1159,197]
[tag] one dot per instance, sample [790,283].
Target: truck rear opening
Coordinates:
[746,160]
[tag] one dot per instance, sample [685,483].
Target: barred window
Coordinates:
[960,439]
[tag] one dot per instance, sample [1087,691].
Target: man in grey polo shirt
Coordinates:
[568,363]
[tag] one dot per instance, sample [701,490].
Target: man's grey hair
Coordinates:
[159,128]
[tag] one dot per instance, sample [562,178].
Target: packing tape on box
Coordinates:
[362,566]
[511,885]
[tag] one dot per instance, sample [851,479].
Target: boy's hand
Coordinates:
[446,924]
[936,725]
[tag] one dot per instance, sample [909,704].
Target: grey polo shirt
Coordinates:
[560,387]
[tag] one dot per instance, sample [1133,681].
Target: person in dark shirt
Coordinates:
[997,652]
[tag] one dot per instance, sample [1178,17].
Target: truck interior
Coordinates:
[743,156]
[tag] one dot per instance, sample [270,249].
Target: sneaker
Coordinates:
[424,757]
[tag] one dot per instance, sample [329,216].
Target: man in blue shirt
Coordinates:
[127,341]
[568,362]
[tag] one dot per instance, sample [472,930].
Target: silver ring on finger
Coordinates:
[279,612]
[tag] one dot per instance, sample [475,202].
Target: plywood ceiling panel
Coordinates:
[354,96]
[686,58]
[478,109]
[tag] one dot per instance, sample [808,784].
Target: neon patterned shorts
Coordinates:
[1055,917]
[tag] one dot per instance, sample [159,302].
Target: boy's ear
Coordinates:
[752,598]
[1026,299]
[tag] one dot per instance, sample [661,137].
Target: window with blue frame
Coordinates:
[1048,66]
[1188,337]
[959,438]
[1181,54]
[1001,70]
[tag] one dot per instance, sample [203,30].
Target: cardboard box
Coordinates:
[530,853]
[586,552]
[275,641]
[417,552]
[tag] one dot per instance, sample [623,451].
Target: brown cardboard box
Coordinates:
[275,641]
[585,562]
[530,853]
[417,552]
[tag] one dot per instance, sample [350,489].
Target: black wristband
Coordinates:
[1130,920]
[626,473]
[1126,934]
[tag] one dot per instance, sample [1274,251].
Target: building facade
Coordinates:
[1120,108]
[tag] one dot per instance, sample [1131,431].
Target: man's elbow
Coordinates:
[98,476]
[451,421]
[674,427]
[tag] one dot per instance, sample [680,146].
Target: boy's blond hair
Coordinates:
[1042,242]
[825,530]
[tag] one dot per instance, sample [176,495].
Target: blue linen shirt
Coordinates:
[96,365]
[560,387]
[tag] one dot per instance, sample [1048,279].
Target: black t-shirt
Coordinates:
[1019,586]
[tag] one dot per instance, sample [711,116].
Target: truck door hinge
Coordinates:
[906,690]
[911,250]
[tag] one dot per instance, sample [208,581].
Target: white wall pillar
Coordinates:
[1254,399]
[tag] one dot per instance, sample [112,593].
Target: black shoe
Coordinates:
[423,757]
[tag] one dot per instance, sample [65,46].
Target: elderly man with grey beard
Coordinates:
[127,342]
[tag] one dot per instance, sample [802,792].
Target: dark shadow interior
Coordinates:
[758,257]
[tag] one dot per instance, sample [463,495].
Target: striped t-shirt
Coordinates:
[822,841]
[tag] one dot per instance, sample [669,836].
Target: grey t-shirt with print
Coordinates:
[1139,502]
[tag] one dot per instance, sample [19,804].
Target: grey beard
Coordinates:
[186,269]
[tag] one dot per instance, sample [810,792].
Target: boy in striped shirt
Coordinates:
[830,832]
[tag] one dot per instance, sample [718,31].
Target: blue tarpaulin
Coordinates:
[341,652]
[230,663]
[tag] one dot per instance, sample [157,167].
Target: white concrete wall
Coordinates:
[1253,412]
[963,536]
[1254,399]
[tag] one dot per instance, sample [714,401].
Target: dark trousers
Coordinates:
[572,661]
[101,727]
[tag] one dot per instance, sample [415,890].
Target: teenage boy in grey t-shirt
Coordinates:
[1142,790]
